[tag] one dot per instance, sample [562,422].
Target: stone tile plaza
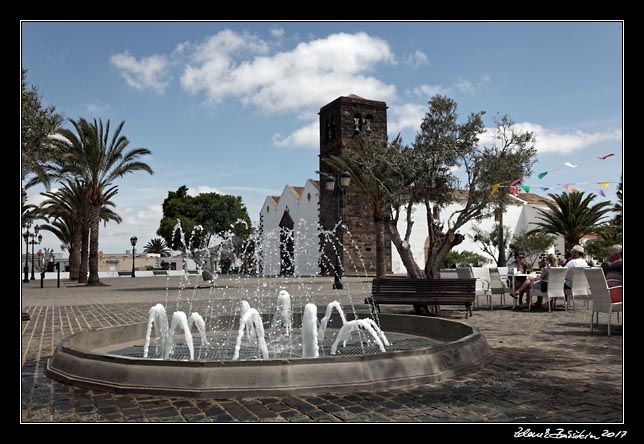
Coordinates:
[547,367]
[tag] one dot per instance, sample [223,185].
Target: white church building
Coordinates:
[290,233]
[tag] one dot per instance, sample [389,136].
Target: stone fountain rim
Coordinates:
[390,369]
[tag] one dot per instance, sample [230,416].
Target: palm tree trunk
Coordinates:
[75,253]
[84,246]
[381,269]
[93,245]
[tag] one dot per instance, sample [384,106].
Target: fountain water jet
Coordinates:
[283,315]
[251,315]
[179,320]
[156,316]
[367,324]
[310,332]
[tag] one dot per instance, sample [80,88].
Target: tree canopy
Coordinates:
[215,213]
[37,124]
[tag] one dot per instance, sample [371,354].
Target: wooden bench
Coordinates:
[125,273]
[160,272]
[422,292]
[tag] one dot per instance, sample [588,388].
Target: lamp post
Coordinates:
[345,179]
[25,236]
[133,240]
[33,242]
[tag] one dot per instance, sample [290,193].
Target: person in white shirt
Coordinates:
[577,260]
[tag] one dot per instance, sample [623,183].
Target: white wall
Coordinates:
[304,212]
[517,218]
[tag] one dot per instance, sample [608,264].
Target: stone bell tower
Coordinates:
[341,123]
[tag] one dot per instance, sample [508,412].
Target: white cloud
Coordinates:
[554,141]
[407,116]
[97,107]
[417,59]
[430,90]
[148,72]
[307,136]
[278,33]
[461,86]
[231,64]
[201,189]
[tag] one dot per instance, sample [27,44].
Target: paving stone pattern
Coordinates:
[548,367]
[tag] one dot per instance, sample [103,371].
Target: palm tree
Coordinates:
[571,216]
[70,211]
[97,160]
[157,246]
[369,174]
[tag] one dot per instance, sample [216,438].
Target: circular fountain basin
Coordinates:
[443,349]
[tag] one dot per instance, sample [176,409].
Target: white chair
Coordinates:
[482,276]
[498,282]
[579,287]
[556,277]
[600,292]
[482,288]
[448,274]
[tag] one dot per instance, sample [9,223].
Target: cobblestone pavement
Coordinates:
[548,367]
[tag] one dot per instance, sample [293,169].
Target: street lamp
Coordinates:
[345,179]
[133,240]
[26,225]
[28,221]
[33,242]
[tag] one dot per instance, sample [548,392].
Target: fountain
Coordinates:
[267,341]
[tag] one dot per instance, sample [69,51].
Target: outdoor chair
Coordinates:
[600,292]
[482,282]
[556,277]
[498,282]
[579,287]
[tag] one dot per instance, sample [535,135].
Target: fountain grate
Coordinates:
[222,347]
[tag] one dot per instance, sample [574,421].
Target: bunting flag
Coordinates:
[565,185]
[570,165]
[494,188]
[514,190]
[514,182]
[525,188]
[603,184]
[544,188]
[574,190]
[542,175]
[602,192]
[606,156]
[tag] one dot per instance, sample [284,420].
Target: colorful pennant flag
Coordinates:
[602,192]
[514,182]
[542,175]
[606,156]
[604,184]
[574,190]
[494,188]
[525,188]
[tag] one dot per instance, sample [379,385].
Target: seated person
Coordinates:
[539,282]
[614,273]
[577,260]
[523,266]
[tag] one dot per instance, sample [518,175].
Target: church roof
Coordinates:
[353,96]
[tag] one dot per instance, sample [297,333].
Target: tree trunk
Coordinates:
[502,261]
[413,270]
[438,251]
[84,247]
[75,253]
[381,270]
[93,246]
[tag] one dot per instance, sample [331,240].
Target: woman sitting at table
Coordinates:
[522,265]
[540,281]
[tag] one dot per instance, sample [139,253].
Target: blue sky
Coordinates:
[232,106]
